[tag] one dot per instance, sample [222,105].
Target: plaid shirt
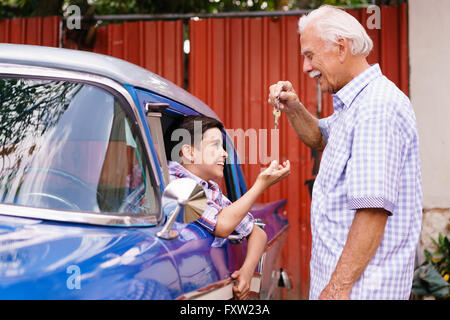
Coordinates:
[216,201]
[371,160]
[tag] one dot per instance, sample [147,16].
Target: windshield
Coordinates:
[70,146]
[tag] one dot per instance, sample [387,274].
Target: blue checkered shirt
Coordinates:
[371,160]
[216,201]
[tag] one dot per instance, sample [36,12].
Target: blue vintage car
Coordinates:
[84,143]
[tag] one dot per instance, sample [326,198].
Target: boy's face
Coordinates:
[209,157]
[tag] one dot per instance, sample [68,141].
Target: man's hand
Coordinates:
[288,99]
[274,173]
[302,121]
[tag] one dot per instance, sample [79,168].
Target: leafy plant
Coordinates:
[432,277]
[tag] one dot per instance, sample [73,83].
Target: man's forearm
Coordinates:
[307,128]
[363,240]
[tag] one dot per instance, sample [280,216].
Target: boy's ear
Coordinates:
[187,153]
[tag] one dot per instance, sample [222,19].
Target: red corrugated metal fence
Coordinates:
[231,65]
[233,62]
[43,31]
[154,45]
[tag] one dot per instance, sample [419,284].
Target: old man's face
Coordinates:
[320,60]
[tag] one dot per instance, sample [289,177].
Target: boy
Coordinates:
[204,162]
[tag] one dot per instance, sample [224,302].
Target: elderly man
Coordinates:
[366,210]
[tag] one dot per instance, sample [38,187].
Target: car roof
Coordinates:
[117,69]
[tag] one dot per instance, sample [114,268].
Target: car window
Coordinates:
[169,124]
[70,146]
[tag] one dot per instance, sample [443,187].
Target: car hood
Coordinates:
[38,258]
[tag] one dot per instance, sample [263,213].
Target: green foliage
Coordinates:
[25,8]
[15,8]
[183,6]
[342,3]
[433,276]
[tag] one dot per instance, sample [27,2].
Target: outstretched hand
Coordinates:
[274,173]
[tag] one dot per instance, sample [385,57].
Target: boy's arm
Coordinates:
[255,248]
[232,215]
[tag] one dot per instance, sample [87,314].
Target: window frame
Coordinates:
[118,91]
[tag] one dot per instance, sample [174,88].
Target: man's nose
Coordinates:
[307,67]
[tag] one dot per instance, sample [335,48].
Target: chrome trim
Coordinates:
[77,217]
[285,280]
[45,73]
[221,290]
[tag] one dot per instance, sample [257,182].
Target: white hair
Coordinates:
[333,23]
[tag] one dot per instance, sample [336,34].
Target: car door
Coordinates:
[272,218]
[225,260]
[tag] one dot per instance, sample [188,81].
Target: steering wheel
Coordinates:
[68,176]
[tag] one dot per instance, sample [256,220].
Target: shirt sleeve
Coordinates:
[375,164]
[245,227]
[209,221]
[209,217]
[324,128]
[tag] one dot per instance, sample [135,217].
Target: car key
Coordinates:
[276,112]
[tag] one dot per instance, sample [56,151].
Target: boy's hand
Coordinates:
[242,289]
[274,173]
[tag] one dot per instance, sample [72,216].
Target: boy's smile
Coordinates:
[209,157]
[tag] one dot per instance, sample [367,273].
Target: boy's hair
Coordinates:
[190,123]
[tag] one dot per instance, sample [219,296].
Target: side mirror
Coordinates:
[181,193]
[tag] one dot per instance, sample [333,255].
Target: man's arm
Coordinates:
[302,121]
[363,240]
[307,128]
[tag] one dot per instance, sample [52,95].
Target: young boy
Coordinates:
[204,163]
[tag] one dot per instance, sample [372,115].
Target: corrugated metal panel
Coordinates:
[232,63]
[43,31]
[154,45]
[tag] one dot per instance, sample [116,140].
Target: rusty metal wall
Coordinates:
[43,31]
[154,45]
[231,65]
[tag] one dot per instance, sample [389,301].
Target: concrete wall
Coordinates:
[429,50]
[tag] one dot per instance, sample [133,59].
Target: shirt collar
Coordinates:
[345,96]
[182,172]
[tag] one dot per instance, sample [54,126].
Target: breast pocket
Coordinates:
[336,155]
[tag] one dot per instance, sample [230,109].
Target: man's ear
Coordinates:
[343,48]
[187,153]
